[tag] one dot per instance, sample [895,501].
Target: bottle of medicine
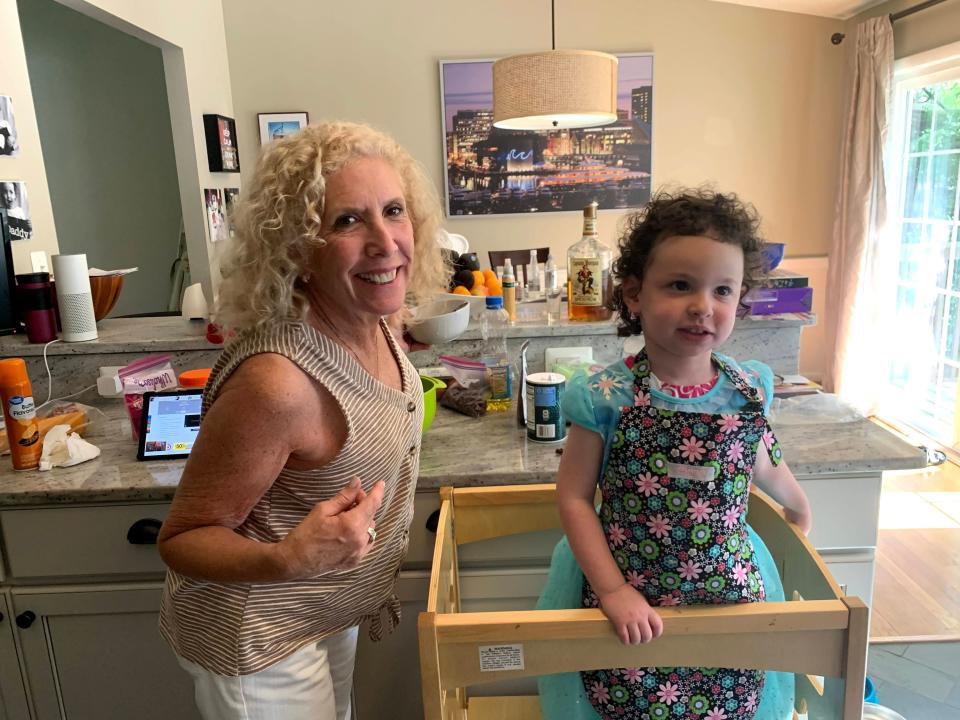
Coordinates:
[19,414]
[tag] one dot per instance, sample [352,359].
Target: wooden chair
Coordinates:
[517,257]
[820,635]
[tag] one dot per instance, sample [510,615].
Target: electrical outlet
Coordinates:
[38,261]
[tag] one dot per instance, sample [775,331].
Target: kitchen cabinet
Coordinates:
[94,651]
[13,695]
[80,637]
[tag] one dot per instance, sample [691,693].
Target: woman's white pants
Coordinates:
[313,683]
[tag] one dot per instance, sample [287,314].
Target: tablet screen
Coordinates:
[170,423]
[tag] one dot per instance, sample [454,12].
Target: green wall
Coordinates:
[101,104]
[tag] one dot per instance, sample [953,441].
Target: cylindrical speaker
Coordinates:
[72,279]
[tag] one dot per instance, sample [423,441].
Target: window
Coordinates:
[923,300]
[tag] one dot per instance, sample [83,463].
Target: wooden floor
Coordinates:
[916,594]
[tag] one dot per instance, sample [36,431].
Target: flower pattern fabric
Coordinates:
[681,541]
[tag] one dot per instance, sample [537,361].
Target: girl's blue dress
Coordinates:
[595,403]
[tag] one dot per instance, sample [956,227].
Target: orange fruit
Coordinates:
[460,290]
[494,287]
[478,278]
[489,276]
[479,290]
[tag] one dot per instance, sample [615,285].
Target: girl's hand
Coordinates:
[633,619]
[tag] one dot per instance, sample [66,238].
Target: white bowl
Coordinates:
[439,322]
[478,303]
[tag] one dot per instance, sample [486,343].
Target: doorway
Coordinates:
[104,118]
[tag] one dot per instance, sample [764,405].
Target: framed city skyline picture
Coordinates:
[489,171]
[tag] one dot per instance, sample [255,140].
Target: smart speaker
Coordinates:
[72,278]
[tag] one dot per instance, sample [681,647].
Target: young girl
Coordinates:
[674,436]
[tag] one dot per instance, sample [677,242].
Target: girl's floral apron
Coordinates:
[674,510]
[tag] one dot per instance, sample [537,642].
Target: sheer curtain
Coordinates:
[854,308]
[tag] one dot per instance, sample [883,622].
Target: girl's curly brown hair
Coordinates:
[723,217]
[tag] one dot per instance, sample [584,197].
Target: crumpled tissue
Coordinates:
[63,450]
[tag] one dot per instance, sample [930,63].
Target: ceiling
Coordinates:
[840,9]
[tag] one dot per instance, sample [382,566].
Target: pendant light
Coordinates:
[555,89]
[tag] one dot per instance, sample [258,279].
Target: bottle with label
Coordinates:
[20,415]
[589,282]
[509,285]
[494,322]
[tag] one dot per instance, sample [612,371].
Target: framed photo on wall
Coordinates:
[8,128]
[221,135]
[276,125]
[490,171]
[230,197]
[13,199]
[216,222]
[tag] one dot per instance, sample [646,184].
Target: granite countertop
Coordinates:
[156,334]
[456,450]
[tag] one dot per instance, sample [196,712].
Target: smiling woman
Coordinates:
[291,519]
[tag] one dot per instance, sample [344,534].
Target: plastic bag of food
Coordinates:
[149,374]
[469,373]
[78,416]
[471,401]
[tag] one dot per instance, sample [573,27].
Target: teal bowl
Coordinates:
[430,387]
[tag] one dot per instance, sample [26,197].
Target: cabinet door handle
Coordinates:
[25,619]
[144,532]
[433,521]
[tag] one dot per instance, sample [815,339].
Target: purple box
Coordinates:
[773,301]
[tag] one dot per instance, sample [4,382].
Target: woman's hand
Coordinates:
[334,535]
[397,323]
[633,619]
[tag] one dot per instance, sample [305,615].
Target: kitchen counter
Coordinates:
[457,450]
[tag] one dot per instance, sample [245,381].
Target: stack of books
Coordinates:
[782,292]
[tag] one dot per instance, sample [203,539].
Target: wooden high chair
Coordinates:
[821,635]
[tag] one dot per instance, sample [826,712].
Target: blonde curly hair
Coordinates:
[278,220]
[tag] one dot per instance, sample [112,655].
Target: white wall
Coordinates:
[747,98]
[28,165]
[190,34]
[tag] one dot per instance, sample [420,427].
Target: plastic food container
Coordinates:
[194,378]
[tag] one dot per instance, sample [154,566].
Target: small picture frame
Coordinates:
[221,135]
[276,125]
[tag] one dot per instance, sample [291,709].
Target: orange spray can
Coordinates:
[20,414]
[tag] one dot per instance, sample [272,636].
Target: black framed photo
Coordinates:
[221,135]
[277,125]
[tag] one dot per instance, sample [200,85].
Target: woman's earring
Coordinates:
[306,277]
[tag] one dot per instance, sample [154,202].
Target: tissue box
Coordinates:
[773,301]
